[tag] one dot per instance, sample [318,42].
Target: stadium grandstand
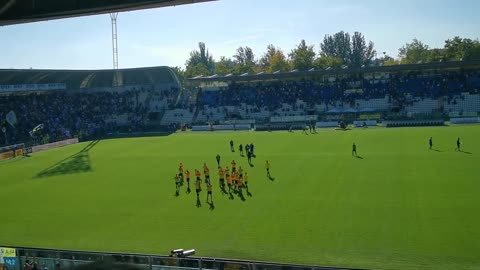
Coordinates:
[84,102]
[402,92]
[151,98]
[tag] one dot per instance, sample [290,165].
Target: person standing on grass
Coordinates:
[218,160]
[247,148]
[231,146]
[229,182]
[430,143]
[240,148]
[221,176]
[209,192]
[187,174]
[197,175]
[354,149]
[198,188]
[177,184]
[267,167]
[252,149]
[458,144]
[180,171]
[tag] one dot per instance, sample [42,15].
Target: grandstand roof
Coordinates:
[88,79]
[339,71]
[24,11]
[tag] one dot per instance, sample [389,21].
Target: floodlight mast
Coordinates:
[113,17]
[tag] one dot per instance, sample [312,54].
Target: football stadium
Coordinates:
[368,164]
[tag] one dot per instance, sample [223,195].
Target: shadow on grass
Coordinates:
[76,163]
[465,152]
[359,157]
[211,205]
[436,150]
[199,203]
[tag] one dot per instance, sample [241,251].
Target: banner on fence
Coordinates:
[9,256]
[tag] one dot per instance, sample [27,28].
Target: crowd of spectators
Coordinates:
[399,88]
[66,114]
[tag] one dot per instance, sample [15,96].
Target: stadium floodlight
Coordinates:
[176,252]
[189,252]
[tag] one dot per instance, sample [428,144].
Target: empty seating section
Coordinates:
[463,103]
[177,116]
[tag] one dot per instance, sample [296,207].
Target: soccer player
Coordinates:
[240,148]
[458,144]
[305,129]
[177,184]
[245,179]
[252,149]
[234,166]
[430,142]
[206,171]
[187,174]
[240,171]
[267,167]
[239,186]
[197,174]
[209,192]
[249,157]
[198,188]
[231,146]
[221,176]
[247,148]
[180,171]
[229,182]
[218,160]
[354,149]
[234,179]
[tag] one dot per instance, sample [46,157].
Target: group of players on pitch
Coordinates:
[235,179]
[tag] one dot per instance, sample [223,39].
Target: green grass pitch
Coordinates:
[400,207]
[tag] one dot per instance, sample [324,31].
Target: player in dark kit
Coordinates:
[354,149]
[267,167]
[218,160]
[240,148]
[458,144]
[430,142]
[231,146]
[252,149]
[249,157]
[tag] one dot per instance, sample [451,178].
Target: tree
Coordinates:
[302,56]
[352,50]
[473,53]
[361,53]
[196,70]
[414,52]
[324,62]
[244,60]
[224,66]
[274,60]
[458,48]
[436,55]
[200,61]
[337,46]
[180,74]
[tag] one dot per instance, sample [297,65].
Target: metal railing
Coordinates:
[53,259]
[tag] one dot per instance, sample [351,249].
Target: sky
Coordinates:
[166,36]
